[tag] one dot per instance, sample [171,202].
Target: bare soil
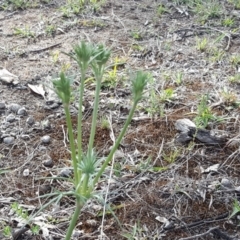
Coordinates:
[164,197]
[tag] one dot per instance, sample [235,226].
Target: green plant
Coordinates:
[19,210]
[87,167]
[204,113]
[235,78]
[229,97]
[105,123]
[178,78]
[236,3]
[167,94]
[161,10]
[216,54]
[172,156]
[236,208]
[135,232]
[201,44]
[24,32]
[50,29]
[22,213]
[7,231]
[227,22]
[136,35]
[235,60]
[110,78]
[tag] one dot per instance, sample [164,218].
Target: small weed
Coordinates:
[50,29]
[230,98]
[35,229]
[7,231]
[236,208]
[55,56]
[235,60]
[235,3]
[178,78]
[216,54]
[166,95]
[201,44]
[24,32]
[227,22]
[235,78]
[204,114]
[105,123]
[136,35]
[135,232]
[111,77]
[161,10]
[172,156]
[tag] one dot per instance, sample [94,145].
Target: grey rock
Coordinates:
[25,137]
[226,183]
[14,107]
[8,140]
[237,189]
[48,163]
[66,173]
[46,139]
[30,120]
[10,118]
[2,105]
[22,111]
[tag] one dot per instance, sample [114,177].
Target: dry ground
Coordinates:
[159,189]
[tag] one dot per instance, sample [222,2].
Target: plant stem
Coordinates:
[118,141]
[71,141]
[95,110]
[74,219]
[79,138]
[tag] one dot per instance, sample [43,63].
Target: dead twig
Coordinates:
[199,235]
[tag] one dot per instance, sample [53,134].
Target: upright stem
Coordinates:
[71,141]
[74,219]
[79,136]
[118,141]
[95,110]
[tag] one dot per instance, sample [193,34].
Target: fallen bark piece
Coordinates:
[189,132]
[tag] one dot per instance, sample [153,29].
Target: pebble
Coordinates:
[8,140]
[14,107]
[46,139]
[10,118]
[2,105]
[48,163]
[26,172]
[226,183]
[30,120]
[22,111]
[65,173]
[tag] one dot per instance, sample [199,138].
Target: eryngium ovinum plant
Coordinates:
[87,167]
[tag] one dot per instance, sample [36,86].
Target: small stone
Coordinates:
[226,183]
[25,137]
[43,189]
[8,140]
[46,139]
[30,120]
[48,163]
[10,118]
[237,189]
[14,107]
[22,111]
[65,173]
[2,105]
[26,172]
